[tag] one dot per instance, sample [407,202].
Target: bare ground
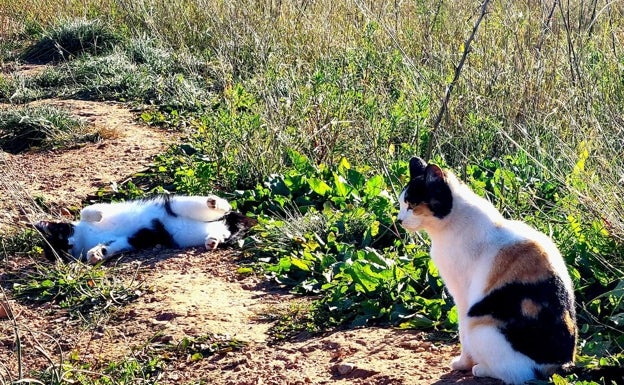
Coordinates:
[184,293]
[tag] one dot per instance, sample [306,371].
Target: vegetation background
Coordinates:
[306,113]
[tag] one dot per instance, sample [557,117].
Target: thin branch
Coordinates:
[451,85]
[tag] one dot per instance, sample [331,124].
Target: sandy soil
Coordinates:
[185,293]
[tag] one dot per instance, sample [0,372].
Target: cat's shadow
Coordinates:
[465,378]
[219,261]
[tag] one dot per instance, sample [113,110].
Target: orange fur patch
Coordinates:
[422,210]
[521,262]
[569,322]
[473,322]
[530,309]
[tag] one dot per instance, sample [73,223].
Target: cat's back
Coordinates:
[526,253]
[528,293]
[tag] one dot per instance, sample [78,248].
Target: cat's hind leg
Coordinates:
[495,357]
[198,208]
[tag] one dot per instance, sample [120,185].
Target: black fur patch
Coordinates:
[545,338]
[167,204]
[427,186]
[150,237]
[56,235]
[238,224]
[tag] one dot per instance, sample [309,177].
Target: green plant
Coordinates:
[71,38]
[130,370]
[290,320]
[44,126]
[336,237]
[20,243]
[84,291]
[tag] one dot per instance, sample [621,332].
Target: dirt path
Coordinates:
[66,177]
[189,293]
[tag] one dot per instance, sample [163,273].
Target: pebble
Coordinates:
[345,368]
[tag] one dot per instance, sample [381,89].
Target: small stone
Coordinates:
[345,368]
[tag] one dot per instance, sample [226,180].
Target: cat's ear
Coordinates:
[433,174]
[440,198]
[417,167]
[43,227]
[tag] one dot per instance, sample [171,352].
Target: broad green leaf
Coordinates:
[374,186]
[341,186]
[196,357]
[301,264]
[319,186]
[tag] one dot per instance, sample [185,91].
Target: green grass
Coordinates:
[276,98]
[145,365]
[84,291]
[70,38]
[43,127]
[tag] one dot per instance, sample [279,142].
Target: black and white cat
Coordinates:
[513,293]
[107,229]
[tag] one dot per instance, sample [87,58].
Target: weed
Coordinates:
[84,291]
[25,242]
[44,126]
[289,321]
[191,348]
[71,38]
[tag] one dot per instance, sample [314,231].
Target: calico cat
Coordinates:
[513,293]
[107,229]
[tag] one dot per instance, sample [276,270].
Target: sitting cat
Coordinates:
[513,293]
[107,229]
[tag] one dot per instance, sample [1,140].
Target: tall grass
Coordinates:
[43,126]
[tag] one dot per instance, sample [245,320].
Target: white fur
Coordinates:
[463,246]
[104,229]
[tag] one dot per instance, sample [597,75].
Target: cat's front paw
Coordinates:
[480,370]
[219,204]
[211,243]
[463,362]
[96,254]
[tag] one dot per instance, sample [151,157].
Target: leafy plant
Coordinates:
[337,238]
[131,370]
[20,243]
[197,348]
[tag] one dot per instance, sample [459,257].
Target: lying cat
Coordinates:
[513,293]
[107,229]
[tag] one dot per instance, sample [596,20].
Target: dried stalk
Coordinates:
[451,85]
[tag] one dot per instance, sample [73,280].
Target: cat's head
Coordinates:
[238,224]
[427,198]
[56,236]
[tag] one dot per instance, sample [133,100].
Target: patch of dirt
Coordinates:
[187,294]
[66,177]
